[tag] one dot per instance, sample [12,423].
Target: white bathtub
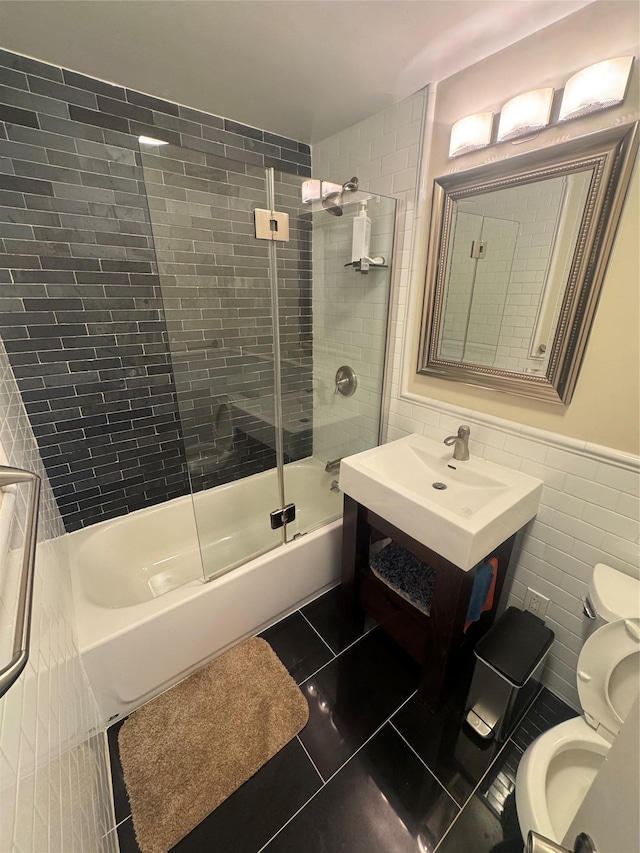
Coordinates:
[145,617]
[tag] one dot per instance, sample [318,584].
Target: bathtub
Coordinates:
[146,618]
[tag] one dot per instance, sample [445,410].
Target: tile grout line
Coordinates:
[312,761]
[509,740]
[317,632]
[112,806]
[423,762]
[342,766]
[473,792]
[346,648]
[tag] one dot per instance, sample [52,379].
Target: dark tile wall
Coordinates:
[82,315]
[217,296]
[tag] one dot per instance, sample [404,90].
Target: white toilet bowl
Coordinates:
[554,775]
[558,768]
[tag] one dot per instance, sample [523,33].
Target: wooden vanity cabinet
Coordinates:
[437,642]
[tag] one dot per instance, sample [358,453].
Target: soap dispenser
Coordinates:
[361,234]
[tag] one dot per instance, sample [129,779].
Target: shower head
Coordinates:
[332,203]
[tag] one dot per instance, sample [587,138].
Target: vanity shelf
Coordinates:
[436,642]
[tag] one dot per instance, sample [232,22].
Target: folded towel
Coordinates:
[483,590]
[405,574]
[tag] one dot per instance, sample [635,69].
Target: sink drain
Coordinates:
[439,486]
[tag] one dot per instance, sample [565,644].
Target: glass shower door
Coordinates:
[216,286]
[332,314]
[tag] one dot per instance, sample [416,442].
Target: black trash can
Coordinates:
[506,678]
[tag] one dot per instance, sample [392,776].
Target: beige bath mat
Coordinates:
[189,749]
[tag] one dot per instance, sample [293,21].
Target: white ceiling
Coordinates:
[301,68]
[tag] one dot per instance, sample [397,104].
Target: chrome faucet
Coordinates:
[460,443]
[333,466]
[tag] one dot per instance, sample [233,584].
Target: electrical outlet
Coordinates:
[535,603]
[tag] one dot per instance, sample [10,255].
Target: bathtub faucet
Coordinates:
[333,466]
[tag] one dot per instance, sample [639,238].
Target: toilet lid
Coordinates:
[608,681]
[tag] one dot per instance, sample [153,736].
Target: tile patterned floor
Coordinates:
[373,771]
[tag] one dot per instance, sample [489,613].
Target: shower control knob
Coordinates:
[346,381]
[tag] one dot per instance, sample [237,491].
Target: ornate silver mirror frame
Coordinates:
[605,159]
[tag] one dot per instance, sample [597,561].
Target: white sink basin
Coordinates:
[460,510]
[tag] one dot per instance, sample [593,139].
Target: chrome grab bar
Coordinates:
[22,628]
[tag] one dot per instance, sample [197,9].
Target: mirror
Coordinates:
[517,255]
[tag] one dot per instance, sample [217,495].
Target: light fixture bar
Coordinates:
[525,114]
[469,133]
[595,88]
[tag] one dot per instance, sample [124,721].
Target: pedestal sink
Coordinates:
[460,510]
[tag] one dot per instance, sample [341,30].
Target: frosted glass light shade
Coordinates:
[469,133]
[525,114]
[595,88]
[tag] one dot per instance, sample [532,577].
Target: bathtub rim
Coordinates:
[91,618]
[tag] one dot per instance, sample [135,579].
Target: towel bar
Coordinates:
[20,654]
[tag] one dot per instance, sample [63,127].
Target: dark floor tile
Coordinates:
[335,629]
[245,821]
[127,837]
[488,823]
[250,816]
[447,745]
[298,646]
[383,800]
[547,711]
[352,696]
[120,798]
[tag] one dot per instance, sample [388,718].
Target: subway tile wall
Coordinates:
[216,289]
[55,791]
[82,311]
[350,310]
[350,325]
[590,508]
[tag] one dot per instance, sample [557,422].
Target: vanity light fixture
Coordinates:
[150,140]
[595,88]
[525,114]
[470,132]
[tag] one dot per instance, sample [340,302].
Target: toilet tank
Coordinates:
[612,595]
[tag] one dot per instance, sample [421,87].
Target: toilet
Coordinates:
[557,770]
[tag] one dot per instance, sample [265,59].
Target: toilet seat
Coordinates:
[608,681]
[548,791]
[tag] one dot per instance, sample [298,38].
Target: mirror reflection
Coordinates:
[508,265]
[518,251]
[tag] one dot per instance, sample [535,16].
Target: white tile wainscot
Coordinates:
[589,513]
[55,790]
